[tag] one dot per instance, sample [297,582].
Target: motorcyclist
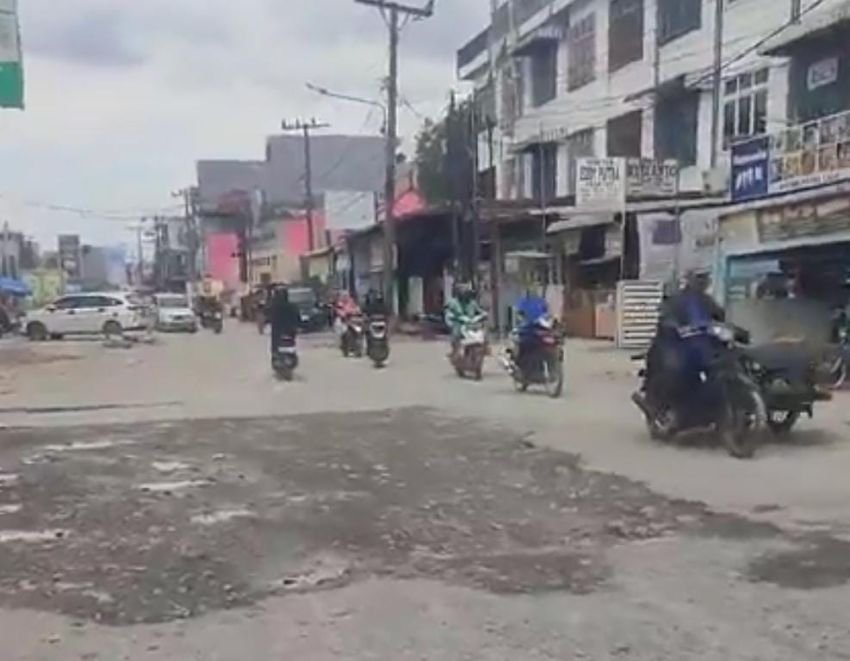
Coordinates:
[375,306]
[676,362]
[346,307]
[530,309]
[462,307]
[284,317]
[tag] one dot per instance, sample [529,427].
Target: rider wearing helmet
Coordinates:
[462,307]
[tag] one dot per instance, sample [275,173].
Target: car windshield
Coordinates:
[302,296]
[174,301]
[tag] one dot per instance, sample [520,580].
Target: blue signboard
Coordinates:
[750,163]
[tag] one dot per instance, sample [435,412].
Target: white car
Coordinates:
[174,313]
[108,313]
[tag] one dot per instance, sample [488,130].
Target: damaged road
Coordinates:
[163,521]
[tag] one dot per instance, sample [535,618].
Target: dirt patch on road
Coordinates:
[152,522]
[24,356]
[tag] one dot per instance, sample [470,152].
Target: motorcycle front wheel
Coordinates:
[744,420]
[553,377]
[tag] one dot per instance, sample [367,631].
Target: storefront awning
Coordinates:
[810,26]
[14,287]
[580,221]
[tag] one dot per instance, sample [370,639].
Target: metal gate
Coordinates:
[638,309]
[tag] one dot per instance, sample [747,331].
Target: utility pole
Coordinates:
[716,80]
[140,267]
[189,196]
[796,10]
[309,202]
[393,11]
[6,271]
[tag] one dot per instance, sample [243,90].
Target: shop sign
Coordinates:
[803,156]
[601,183]
[750,162]
[804,220]
[648,178]
[822,73]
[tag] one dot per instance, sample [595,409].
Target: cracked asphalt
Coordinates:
[175,502]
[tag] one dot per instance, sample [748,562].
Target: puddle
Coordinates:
[85,447]
[222,516]
[8,478]
[31,536]
[169,466]
[162,487]
[10,509]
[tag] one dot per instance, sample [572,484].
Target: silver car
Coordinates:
[174,313]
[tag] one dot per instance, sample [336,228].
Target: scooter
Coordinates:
[213,320]
[351,340]
[285,358]
[467,357]
[377,341]
[542,359]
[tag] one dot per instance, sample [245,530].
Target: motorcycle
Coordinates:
[725,397]
[541,361]
[377,341]
[351,340]
[213,320]
[467,357]
[285,358]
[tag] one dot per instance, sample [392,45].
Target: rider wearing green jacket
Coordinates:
[460,309]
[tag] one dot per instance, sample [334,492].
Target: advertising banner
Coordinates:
[11,66]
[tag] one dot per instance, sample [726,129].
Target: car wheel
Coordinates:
[37,331]
[112,328]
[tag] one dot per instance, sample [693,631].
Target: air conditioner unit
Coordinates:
[715,180]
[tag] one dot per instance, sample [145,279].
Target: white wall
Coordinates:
[746,22]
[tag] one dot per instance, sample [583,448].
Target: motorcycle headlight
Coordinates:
[723,333]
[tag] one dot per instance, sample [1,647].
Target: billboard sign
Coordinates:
[802,156]
[648,178]
[11,65]
[70,255]
[750,163]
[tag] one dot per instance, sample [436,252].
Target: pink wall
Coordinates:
[296,236]
[222,261]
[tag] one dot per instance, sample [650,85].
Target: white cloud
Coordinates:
[124,96]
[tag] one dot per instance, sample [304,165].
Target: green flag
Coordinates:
[11,67]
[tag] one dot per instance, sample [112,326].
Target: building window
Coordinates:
[745,105]
[544,74]
[544,172]
[676,120]
[624,135]
[512,96]
[625,33]
[579,145]
[581,51]
[678,17]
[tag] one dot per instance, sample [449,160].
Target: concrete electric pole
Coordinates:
[309,202]
[393,11]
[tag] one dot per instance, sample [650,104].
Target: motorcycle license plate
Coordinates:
[473,338]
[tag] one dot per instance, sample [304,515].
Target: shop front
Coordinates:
[787,268]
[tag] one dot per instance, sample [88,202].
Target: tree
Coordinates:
[443,160]
[431,160]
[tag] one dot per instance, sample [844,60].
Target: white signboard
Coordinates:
[822,73]
[601,183]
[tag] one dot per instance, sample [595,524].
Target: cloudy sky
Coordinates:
[123,96]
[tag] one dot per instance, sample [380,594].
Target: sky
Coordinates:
[124,96]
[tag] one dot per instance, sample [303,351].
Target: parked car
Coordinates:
[314,316]
[174,313]
[110,313]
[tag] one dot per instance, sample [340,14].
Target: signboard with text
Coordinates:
[601,183]
[11,66]
[802,156]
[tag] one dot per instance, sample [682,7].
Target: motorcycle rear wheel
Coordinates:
[782,422]
[745,421]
